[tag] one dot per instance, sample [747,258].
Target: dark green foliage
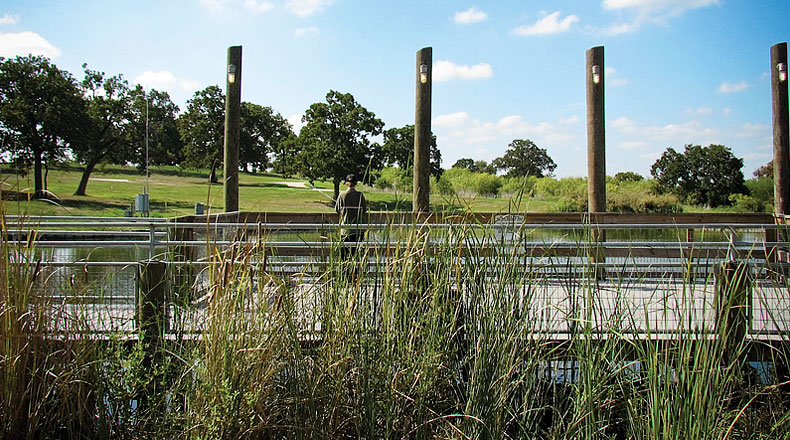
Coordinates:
[628,176]
[701,175]
[262,130]
[479,166]
[398,149]
[160,115]
[202,129]
[41,109]
[103,135]
[524,158]
[335,140]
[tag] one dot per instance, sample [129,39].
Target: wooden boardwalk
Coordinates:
[645,287]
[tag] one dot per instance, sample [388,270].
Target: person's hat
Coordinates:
[352,178]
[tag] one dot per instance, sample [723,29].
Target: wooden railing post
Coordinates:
[731,303]
[151,306]
[152,322]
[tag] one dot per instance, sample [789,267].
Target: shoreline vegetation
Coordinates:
[416,345]
[175,192]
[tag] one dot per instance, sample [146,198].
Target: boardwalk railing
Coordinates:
[675,272]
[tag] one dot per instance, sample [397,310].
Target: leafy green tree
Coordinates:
[103,136]
[286,156]
[335,140]
[202,129]
[766,170]
[398,149]
[524,158]
[261,131]
[628,176]
[701,175]
[154,113]
[479,166]
[465,163]
[41,108]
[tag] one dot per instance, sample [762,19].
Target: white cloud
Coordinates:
[232,6]
[26,43]
[728,87]
[550,24]
[296,122]
[303,32]
[9,19]
[447,71]
[467,130]
[647,11]
[451,120]
[164,80]
[666,135]
[471,15]
[612,79]
[571,120]
[303,8]
[258,6]
[754,130]
[462,135]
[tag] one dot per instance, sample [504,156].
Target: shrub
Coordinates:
[568,186]
[467,183]
[744,203]
[761,189]
[626,196]
[487,184]
[394,178]
[519,185]
[442,186]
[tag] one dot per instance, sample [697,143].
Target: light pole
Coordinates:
[422,132]
[232,129]
[780,124]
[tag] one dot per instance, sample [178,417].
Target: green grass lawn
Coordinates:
[173,192]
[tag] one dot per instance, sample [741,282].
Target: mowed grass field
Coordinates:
[173,192]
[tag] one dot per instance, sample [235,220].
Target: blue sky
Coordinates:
[677,71]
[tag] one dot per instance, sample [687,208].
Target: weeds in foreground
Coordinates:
[462,337]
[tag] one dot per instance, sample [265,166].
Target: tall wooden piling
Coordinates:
[780,124]
[596,149]
[422,131]
[232,129]
[596,133]
[731,303]
[151,308]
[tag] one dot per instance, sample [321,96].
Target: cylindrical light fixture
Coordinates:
[231,73]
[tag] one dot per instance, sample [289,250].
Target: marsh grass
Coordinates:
[453,338]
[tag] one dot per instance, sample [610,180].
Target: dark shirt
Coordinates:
[352,207]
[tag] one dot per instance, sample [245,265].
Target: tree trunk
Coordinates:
[212,175]
[84,179]
[336,184]
[38,176]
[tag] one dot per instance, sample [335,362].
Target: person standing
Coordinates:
[353,210]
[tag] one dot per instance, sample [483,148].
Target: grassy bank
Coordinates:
[416,345]
[175,192]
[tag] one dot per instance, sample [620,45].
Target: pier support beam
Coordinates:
[232,129]
[596,148]
[596,132]
[780,124]
[151,307]
[422,131]
[731,302]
